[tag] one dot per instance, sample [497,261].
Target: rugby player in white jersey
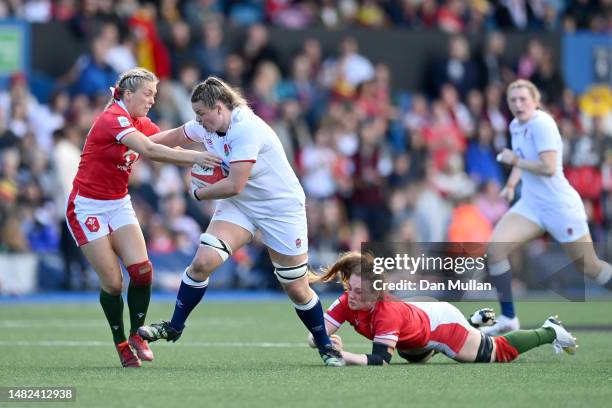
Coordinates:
[548,202]
[261,192]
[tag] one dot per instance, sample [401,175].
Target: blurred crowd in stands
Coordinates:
[377,163]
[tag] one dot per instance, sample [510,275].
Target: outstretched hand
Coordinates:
[335,339]
[207,159]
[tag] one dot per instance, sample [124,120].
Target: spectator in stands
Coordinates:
[255,49]
[457,68]
[91,75]
[480,162]
[211,52]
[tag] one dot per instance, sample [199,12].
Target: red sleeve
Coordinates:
[116,124]
[147,127]
[387,322]
[338,311]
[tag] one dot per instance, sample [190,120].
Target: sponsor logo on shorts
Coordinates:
[92,224]
[298,243]
[570,231]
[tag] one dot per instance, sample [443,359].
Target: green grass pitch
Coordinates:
[253,354]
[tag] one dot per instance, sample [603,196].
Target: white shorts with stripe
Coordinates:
[286,233]
[449,328]
[90,219]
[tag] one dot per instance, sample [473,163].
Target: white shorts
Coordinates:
[286,234]
[565,224]
[449,328]
[90,219]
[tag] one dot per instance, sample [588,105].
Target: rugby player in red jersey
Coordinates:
[99,209]
[418,330]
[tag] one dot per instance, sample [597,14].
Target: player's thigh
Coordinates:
[449,329]
[234,236]
[286,236]
[129,243]
[567,223]
[469,351]
[87,219]
[105,263]
[582,253]
[513,230]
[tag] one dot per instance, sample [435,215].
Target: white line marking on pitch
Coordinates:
[72,343]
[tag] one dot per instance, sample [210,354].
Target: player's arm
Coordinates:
[381,354]
[331,329]
[545,166]
[230,186]
[141,144]
[509,189]
[172,137]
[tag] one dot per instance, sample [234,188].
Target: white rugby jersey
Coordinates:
[272,186]
[540,134]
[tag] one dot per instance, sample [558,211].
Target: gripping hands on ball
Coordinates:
[335,339]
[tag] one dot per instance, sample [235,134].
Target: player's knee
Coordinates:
[203,266]
[592,266]
[419,358]
[499,268]
[112,287]
[218,245]
[290,274]
[485,350]
[141,274]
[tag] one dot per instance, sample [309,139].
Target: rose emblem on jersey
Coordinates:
[92,224]
[226,149]
[298,243]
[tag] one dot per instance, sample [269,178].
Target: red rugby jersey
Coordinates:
[106,164]
[388,320]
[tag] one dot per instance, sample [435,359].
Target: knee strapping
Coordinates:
[141,274]
[220,246]
[484,350]
[188,280]
[288,274]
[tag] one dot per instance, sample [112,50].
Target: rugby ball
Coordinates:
[204,176]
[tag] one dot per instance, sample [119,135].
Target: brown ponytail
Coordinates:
[348,264]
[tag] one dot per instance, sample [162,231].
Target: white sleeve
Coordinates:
[244,146]
[193,131]
[546,135]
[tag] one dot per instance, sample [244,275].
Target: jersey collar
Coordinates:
[122,105]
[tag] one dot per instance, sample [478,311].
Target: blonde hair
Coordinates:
[531,88]
[131,80]
[213,90]
[348,264]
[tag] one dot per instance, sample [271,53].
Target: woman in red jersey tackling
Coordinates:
[99,210]
[418,330]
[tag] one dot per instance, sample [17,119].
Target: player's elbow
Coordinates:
[151,150]
[237,188]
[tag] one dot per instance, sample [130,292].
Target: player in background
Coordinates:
[418,330]
[99,210]
[548,203]
[261,193]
